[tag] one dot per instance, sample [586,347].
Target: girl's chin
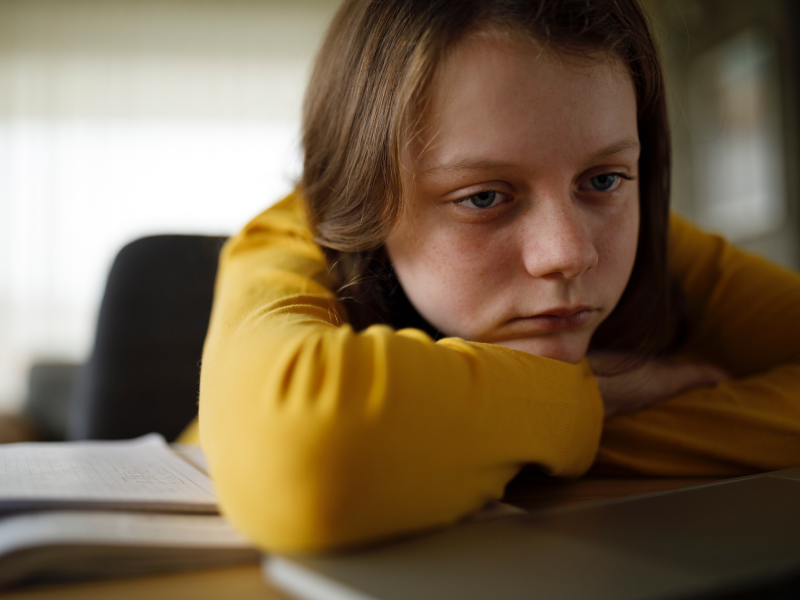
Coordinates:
[569,349]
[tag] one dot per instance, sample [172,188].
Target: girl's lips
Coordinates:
[558,320]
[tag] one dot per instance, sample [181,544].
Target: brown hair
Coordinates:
[367,89]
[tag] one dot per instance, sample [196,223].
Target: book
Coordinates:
[95,509]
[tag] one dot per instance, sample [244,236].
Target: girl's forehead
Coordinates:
[511,98]
[518,59]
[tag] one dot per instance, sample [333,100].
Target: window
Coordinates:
[123,119]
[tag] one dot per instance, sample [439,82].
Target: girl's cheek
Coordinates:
[617,245]
[474,250]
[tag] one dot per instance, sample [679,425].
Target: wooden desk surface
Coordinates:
[246,582]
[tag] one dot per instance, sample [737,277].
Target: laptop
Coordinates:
[732,539]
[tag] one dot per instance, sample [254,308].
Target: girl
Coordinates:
[484,200]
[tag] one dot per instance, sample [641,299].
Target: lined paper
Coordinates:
[117,528]
[193,454]
[65,545]
[144,471]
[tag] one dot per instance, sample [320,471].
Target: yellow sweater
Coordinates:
[318,437]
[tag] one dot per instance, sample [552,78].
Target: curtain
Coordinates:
[123,119]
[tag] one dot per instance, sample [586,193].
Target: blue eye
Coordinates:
[605,182]
[480,200]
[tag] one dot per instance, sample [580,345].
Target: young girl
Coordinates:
[484,200]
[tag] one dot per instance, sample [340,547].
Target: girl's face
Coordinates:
[522,208]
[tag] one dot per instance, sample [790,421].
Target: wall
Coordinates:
[125,118]
[735,133]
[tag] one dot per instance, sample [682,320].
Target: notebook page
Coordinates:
[117,528]
[138,472]
[192,454]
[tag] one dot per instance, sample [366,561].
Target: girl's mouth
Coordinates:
[559,319]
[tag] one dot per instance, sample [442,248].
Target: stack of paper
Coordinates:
[93,509]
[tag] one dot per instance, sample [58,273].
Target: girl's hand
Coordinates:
[651,382]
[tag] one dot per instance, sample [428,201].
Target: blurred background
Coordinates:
[732,69]
[122,118]
[125,118]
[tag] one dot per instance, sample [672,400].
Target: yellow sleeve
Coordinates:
[318,437]
[191,434]
[747,314]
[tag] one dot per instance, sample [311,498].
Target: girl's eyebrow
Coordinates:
[622,146]
[468,165]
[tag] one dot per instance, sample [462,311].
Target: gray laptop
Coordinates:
[733,539]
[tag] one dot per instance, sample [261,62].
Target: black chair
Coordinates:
[143,373]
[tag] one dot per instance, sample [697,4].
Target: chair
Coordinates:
[143,373]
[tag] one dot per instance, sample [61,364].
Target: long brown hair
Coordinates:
[367,88]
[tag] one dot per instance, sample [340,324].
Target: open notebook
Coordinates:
[96,509]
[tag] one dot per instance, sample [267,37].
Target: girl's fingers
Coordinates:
[687,376]
[653,381]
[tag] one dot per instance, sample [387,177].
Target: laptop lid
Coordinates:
[705,541]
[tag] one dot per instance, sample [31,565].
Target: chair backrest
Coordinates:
[143,374]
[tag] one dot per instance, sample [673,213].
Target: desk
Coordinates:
[245,582]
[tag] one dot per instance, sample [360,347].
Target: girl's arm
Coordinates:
[318,437]
[747,312]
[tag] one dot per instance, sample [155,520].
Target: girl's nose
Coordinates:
[557,241]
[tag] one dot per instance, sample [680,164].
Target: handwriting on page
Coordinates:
[137,470]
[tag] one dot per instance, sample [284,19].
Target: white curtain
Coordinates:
[122,119]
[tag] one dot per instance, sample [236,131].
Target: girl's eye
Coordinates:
[607,182]
[485,199]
